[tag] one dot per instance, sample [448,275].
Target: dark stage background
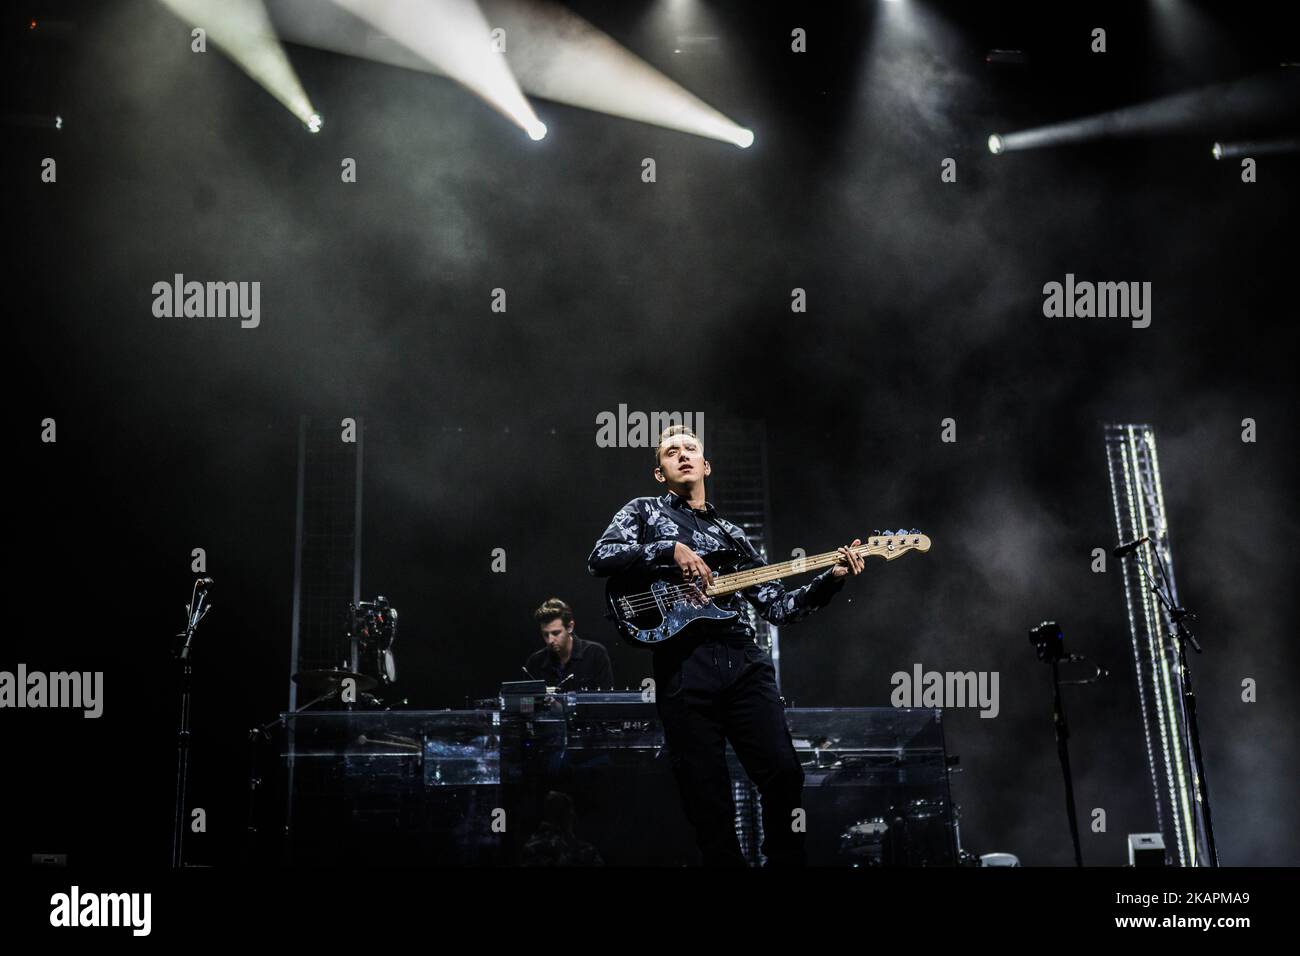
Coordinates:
[925,302]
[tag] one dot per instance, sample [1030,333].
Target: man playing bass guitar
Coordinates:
[714,684]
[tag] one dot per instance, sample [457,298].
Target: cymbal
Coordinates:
[319,681]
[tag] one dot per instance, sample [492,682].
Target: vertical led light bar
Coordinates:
[1139,503]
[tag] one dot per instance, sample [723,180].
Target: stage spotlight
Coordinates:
[243,31]
[448,36]
[1006,57]
[1262,147]
[745,138]
[1252,97]
[314,123]
[33,120]
[567,60]
[48,28]
[552,54]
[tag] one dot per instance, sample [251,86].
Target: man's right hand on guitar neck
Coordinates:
[694,569]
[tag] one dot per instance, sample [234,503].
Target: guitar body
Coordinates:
[652,607]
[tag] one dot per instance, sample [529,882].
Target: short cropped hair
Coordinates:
[551,609]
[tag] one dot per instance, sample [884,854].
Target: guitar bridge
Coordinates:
[659,591]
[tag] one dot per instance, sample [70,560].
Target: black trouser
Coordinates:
[717,690]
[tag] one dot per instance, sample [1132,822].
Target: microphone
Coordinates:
[528,672]
[1128,547]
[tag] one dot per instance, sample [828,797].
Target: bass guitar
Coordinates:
[651,607]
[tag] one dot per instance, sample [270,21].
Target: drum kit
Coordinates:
[372,632]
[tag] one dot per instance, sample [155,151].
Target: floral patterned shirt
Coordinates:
[645,531]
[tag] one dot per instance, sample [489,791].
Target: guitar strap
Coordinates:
[740,552]
[717,523]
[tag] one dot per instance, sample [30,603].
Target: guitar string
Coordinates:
[644,600]
[759,574]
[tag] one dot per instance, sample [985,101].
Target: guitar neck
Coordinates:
[739,580]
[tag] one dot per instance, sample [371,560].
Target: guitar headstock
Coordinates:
[892,544]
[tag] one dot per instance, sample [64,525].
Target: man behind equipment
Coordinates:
[713,683]
[566,655]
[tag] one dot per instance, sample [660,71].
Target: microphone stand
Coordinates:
[195,612]
[1063,752]
[1178,616]
[1047,639]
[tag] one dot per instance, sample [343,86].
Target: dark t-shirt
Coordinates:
[588,663]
